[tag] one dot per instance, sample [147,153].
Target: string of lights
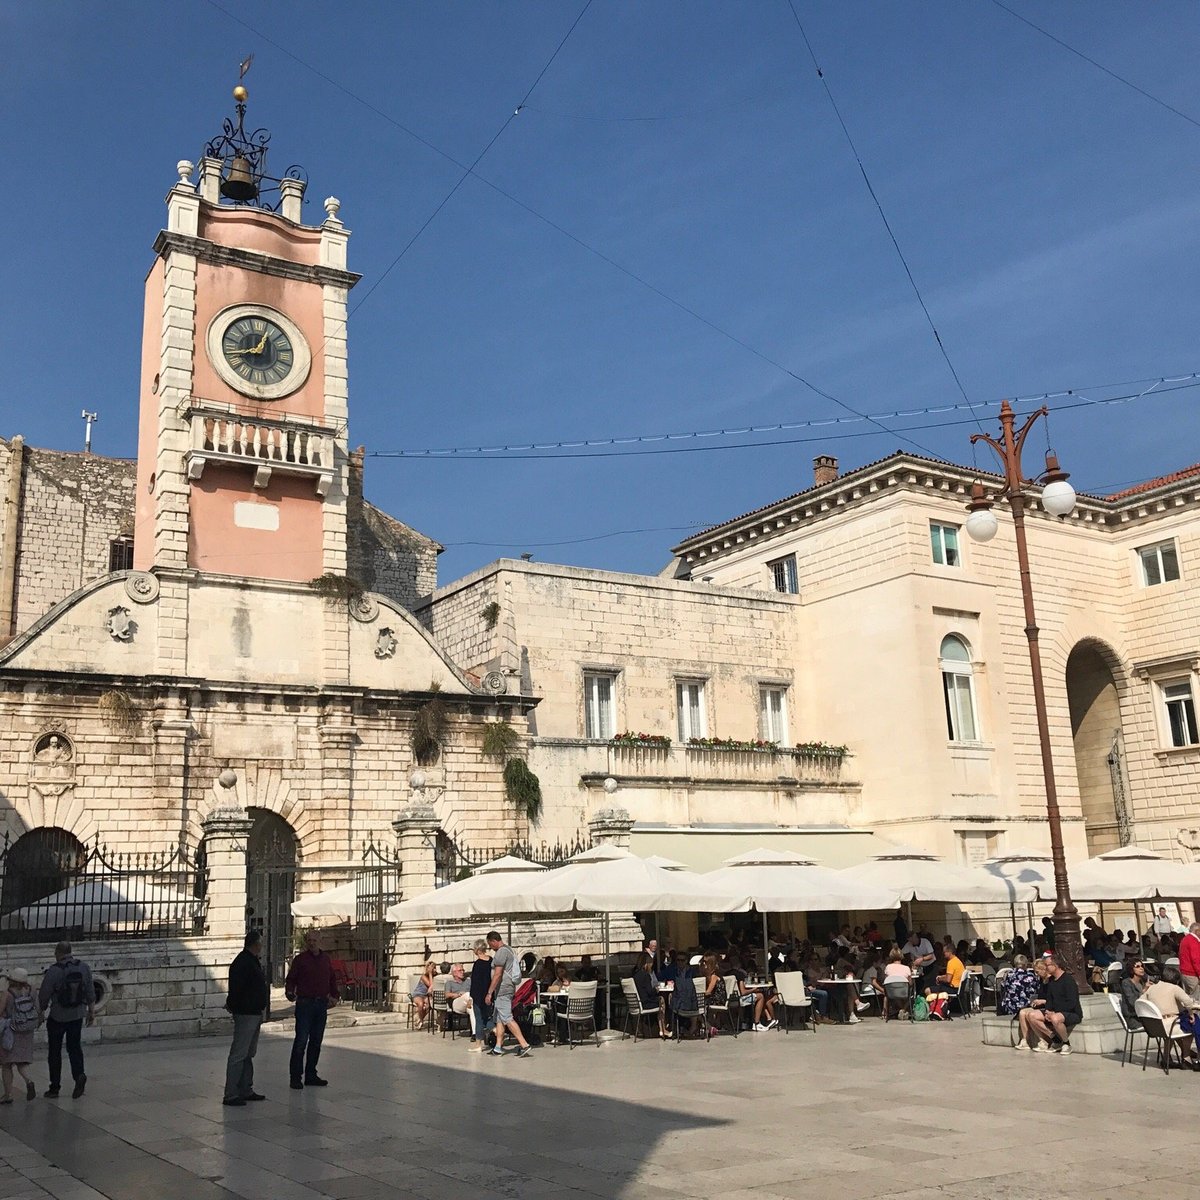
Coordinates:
[511,449]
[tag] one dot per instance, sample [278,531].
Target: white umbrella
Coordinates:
[1023,868]
[785,881]
[1134,873]
[495,889]
[910,874]
[340,901]
[98,902]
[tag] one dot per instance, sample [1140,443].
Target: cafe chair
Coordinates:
[580,1010]
[688,1004]
[864,993]
[791,998]
[441,1010]
[635,1011]
[899,1000]
[1131,1031]
[966,997]
[731,1010]
[1165,1034]
[415,1020]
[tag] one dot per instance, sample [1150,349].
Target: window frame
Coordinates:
[124,545]
[937,538]
[791,575]
[591,705]
[764,730]
[1156,550]
[691,681]
[1186,716]
[958,681]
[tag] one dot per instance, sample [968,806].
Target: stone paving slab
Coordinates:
[912,1111]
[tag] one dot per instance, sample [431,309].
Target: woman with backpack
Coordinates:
[19,1017]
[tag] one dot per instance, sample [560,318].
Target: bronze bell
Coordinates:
[239,184]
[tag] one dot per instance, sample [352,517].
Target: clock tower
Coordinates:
[242,444]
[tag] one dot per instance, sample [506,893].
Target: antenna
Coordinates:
[90,418]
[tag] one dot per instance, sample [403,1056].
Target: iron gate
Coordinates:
[377,888]
[270,890]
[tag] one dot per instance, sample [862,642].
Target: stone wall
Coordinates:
[174,987]
[71,508]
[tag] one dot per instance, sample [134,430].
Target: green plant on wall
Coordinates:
[430,726]
[500,741]
[336,587]
[491,614]
[523,788]
[121,711]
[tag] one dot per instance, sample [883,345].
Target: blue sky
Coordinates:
[1048,212]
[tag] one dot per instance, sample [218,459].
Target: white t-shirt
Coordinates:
[1163,925]
[921,950]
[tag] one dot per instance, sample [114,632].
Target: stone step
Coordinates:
[339,1018]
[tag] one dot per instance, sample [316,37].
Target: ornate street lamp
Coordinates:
[1058,499]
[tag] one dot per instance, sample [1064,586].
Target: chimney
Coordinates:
[824,469]
[355,473]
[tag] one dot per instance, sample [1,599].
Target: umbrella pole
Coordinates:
[1012,912]
[607,978]
[766,948]
[1032,934]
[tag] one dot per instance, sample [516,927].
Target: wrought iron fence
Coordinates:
[377,888]
[454,862]
[55,887]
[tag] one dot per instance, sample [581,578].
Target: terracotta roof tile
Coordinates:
[1187,473]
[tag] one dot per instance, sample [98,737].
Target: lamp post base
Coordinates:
[1068,947]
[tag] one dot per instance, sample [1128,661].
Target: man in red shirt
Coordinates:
[311,985]
[1189,960]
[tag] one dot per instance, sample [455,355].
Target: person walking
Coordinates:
[246,1003]
[69,994]
[481,978]
[311,986]
[503,985]
[19,1017]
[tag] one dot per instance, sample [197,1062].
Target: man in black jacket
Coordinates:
[247,1001]
[1057,1012]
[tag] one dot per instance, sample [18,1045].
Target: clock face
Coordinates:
[258,351]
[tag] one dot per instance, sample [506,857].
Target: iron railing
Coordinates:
[454,862]
[54,887]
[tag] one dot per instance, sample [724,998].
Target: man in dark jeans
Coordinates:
[67,990]
[246,1003]
[311,985]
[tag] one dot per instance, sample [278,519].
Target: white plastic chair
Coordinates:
[790,986]
[1164,1034]
[1131,1031]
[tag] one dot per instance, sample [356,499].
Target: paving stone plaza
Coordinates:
[896,1110]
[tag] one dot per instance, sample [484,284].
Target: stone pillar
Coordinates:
[338,737]
[611,826]
[226,832]
[173,729]
[335,291]
[291,197]
[416,842]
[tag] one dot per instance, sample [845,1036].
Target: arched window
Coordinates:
[39,864]
[958,689]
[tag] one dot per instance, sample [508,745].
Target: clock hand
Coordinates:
[259,348]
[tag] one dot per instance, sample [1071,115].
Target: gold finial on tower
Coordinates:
[240,94]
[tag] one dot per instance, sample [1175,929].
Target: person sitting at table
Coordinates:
[668,971]
[813,971]
[920,952]
[982,955]
[547,974]
[562,980]
[458,994]
[647,990]
[422,993]
[1175,1004]
[1020,947]
[1133,988]
[946,978]
[715,994]
[587,973]
[897,977]
[870,973]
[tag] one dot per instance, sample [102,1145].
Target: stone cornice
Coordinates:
[251,260]
[911,474]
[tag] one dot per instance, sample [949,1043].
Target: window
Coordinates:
[783,572]
[1181,713]
[958,687]
[689,699]
[599,711]
[120,554]
[772,714]
[945,544]
[1160,563]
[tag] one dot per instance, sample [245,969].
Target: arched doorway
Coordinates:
[39,864]
[1099,758]
[271,855]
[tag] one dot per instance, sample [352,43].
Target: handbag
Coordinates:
[7,1037]
[537,1015]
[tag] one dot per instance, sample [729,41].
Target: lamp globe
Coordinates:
[1058,498]
[982,525]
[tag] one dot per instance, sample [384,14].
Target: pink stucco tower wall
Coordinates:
[236,479]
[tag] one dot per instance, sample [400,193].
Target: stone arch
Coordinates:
[1095,682]
[257,786]
[41,862]
[66,811]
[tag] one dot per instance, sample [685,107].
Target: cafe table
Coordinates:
[840,998]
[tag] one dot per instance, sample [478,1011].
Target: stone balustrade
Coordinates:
[291,445]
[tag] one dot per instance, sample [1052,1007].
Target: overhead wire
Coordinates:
[781,426]
[1141,91]
[937,337]
[506,453]
[564,232]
